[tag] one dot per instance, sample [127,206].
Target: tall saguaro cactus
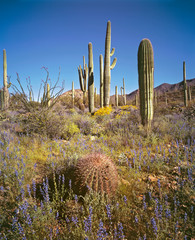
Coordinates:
[124,94]
[4,93]
[83,76]
[116,96]
[185,85]
[72,94]
[107,66]
[101,82]
[48,95]
[91,79]
[146,81]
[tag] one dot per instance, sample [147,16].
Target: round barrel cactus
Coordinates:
[96,171]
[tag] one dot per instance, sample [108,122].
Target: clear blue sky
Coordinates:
[55,33]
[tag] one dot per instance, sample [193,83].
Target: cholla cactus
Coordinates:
[96,171]
[146,81]
[107,66]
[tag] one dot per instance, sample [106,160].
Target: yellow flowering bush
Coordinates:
[103,111]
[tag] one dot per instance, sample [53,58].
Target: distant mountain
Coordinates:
[165,87]
[161,89]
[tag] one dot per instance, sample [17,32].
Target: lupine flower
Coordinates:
[120,231]
[125,199]
[154,226]
[74,220]
[144,203]
[108,211]
[101,234]
[136,219]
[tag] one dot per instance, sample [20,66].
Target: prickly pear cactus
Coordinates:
[97,172]
[146,81]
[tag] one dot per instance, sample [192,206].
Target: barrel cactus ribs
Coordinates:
[96,171]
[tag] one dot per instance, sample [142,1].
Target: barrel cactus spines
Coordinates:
[101,82]
[107,66]
[146,81]
[116,96]
[83,76]
[91,79]
[96,171]
[185,85]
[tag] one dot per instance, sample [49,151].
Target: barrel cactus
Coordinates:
[146,81]
[96,171]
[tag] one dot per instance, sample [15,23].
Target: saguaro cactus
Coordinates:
[72,94]
[116,96]
[185,85]
[101,82]
[189,94]
[83,76]
[136,98]
[4,93]
[124,94]
[107,66]
[146,81]
[91,79]
[48,95]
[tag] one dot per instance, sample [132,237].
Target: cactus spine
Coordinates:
[91,79]
[4,98]
[83,76]
[72,94]
[107,66]
[101,82]
[185,85]
[116,96]
[146,81]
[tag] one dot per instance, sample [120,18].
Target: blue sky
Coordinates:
[56,33]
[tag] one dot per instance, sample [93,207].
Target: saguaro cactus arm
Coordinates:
[113,63]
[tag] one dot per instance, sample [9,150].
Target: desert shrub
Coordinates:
[69,130]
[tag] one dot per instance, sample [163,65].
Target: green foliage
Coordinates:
[155,194]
